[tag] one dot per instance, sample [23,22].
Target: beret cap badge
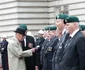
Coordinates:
[57,16]
[66,21]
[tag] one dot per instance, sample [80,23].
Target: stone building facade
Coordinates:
[36,14]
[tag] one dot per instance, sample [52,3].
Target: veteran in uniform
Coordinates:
[42,55]
[39,41]
[49,50]
[73,55]
[15,53]
[63,35]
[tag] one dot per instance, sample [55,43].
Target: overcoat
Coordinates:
[15,55]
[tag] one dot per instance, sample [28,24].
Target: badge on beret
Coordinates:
[57,16]
[65,20]
[30,45]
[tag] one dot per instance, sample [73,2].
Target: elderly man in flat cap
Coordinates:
[15,53]
[29,43]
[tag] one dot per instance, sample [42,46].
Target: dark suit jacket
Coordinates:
[30,61]
[72,56]
[50,48]
[59,49]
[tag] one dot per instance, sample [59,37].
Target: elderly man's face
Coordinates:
[70,27]
[52,33]
[60,23]
[19,36]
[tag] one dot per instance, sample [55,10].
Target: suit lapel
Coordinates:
[72,42]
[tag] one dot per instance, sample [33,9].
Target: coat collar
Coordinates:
[15,39]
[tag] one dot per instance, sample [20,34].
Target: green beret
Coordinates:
[71,19]
[46,28]
[52,27]
[23,26]
[62,16]
[82,27]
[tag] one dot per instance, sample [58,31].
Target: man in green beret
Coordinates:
[60,24]
[63,35]
[43,47]
[60,21]
[74,49]
[28,43]
[72,22]
[49,48]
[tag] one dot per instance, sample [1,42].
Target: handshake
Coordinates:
[36,48]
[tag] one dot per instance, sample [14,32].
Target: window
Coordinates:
[64,9]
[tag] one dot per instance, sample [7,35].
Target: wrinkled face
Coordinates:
[19,36]
[52,33]
[48,36]
[45,34]
[60,23]
[70,27]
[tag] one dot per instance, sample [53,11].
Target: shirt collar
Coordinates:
[74,33]
[64,31]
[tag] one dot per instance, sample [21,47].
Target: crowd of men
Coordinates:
[57,47]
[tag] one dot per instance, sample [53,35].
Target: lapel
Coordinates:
[53,43]
[23,44]
[61,43]
[29,42]
[72,42]
[50,42]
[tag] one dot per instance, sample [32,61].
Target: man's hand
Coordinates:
[36,68]
[33,50]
